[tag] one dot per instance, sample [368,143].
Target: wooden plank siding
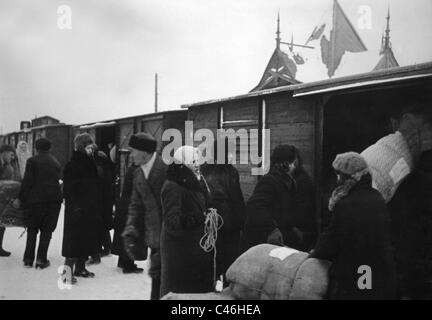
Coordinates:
[292,121]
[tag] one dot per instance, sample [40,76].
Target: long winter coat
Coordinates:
[41,180]
[359,235]
[186,267]
[276,203]
[121,213]
[83,199]
[106,180]
[226,196]
[145,212]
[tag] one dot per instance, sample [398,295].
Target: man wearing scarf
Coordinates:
[144,222]
[357,241]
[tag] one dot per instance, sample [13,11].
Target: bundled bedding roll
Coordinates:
[390,161]
[269,272]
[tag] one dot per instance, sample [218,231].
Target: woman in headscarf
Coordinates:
[357,241]
[23,154]
[83,198]
[186,267]
[227,197]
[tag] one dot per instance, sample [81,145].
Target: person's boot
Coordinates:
[81,271]
[132,269]
[3,253]
[42,264]
[68,274]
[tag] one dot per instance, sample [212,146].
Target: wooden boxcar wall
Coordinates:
[60,141]
[290,120]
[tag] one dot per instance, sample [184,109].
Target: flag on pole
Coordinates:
[343,37]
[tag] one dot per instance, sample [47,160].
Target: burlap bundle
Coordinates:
[390,161]
[268,272]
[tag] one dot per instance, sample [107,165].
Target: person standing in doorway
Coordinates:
[41,194]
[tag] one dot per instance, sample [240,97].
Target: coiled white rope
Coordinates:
[213,222]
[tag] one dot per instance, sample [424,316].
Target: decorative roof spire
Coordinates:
[387,31]
[278,38]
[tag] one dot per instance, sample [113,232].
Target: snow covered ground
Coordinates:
[17,282]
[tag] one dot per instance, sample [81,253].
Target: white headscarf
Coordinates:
[190,157]
[22,153]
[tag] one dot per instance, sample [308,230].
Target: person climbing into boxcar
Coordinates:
[411,222]
[357,241]
[281,208]
[227,198]
[145,209]
[105,170]
[186,267]
[41,194]
[126,263]
[82,219]
[9,170]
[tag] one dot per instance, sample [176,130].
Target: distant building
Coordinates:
[280,70]
[41,121]
[387,59]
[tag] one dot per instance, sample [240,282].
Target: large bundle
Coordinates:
[9,216]
[390,161]
[265,272]
[311,281]
[224,295]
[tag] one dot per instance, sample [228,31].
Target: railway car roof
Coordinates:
[363,80]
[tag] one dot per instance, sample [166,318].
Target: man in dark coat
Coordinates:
[145,209]
[83,199]
[186,267]
[225,196]
[41,194]
[281,208]
[357,241]
[8,171]
[124,261]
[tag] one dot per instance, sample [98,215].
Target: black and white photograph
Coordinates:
[216,150]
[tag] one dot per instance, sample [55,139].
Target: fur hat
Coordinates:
[43,144]
[143,141]
[6,147]
[350,163]
[284,153]
[82,140]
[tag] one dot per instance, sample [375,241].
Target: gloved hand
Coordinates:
[275,237]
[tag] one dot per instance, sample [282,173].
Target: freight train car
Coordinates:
[320,118]
[116,133]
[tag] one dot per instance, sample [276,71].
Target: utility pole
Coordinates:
[156,92]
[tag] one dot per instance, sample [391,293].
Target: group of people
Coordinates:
[166,211]
[88,190]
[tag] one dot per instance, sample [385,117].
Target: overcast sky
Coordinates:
[103,68]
